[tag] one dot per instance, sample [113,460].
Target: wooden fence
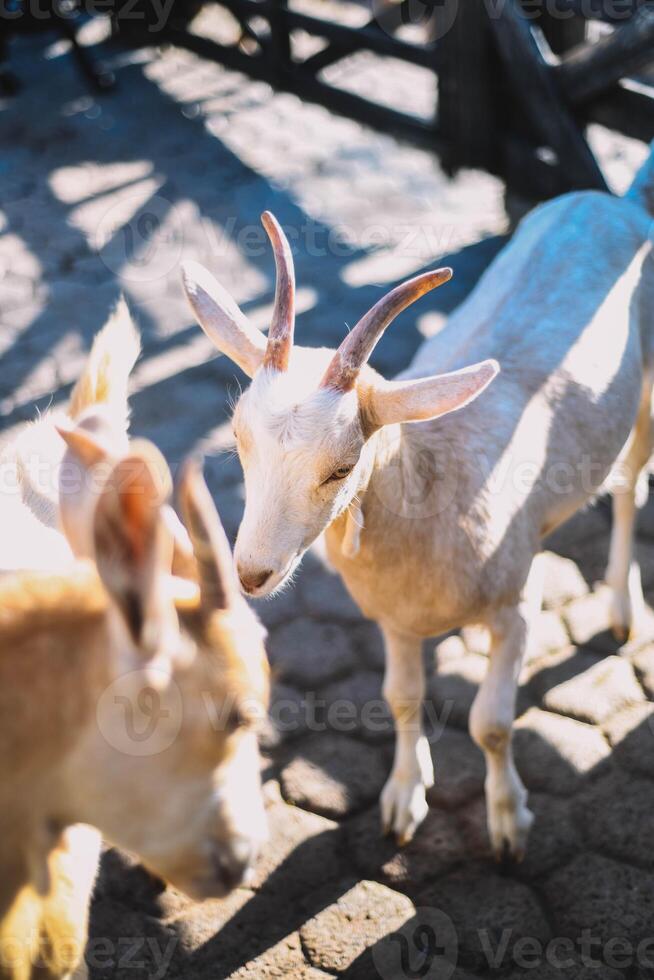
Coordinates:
[517,82]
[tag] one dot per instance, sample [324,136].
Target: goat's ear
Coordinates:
[84,447]
[426,398]
[215,566]
[131,551]
[221,319]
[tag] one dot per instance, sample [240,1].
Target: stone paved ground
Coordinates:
[179,161]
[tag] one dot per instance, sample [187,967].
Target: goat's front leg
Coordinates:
[403,801]
[491,721]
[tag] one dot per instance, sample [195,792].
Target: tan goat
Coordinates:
[46,490]
[125,711]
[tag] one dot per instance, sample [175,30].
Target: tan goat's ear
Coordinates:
[216,576]
[132,552]
[221,319]
[88,450]
[426,398]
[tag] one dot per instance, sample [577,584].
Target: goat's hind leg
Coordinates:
[629,485]
[491,722]
[403,800]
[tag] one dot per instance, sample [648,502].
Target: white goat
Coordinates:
[435,524]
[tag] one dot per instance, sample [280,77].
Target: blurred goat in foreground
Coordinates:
[434,497]
[127,702]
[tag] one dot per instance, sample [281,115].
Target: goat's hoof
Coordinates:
[507,856]
[621,634]
[509,831]
[403,808]
[621,618]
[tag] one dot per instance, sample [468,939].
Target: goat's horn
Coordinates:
[210,545]
[359,344]
[280,335]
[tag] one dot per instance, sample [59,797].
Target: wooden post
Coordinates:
[592,68]
[280,41]
[467,88]
[533,85]
[563,32]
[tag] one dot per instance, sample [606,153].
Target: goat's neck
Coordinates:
[380,450]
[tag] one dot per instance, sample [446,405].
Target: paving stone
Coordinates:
[616,817]
[356,704]
[200,922]
[122,941]
[284,959]
[553,753]
[554,670]
[459,769]
[304,851]
[490,913]
[645,558]
[454,682]
[594,695]
[562,580]
[247,935]
[454,685]
[361,917]
[436,847]
[280,608]
[122,878]
[309,653]
[587,620]
[476,639]
[591,524]
[324,593]
[288,715]
[631,735]
[603,897]
[369,645]
[565,964]
[645,522]
[549,634]
[643,663]
[334,775]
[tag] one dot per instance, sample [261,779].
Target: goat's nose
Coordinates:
[251,581]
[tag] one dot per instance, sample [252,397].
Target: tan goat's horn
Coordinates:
[280,335]
[359,344]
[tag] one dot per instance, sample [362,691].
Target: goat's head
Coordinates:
[169,766]
[302,426]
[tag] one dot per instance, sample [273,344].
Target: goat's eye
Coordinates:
[340,473]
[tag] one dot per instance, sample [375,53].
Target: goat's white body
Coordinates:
[566,312]
[456,508]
